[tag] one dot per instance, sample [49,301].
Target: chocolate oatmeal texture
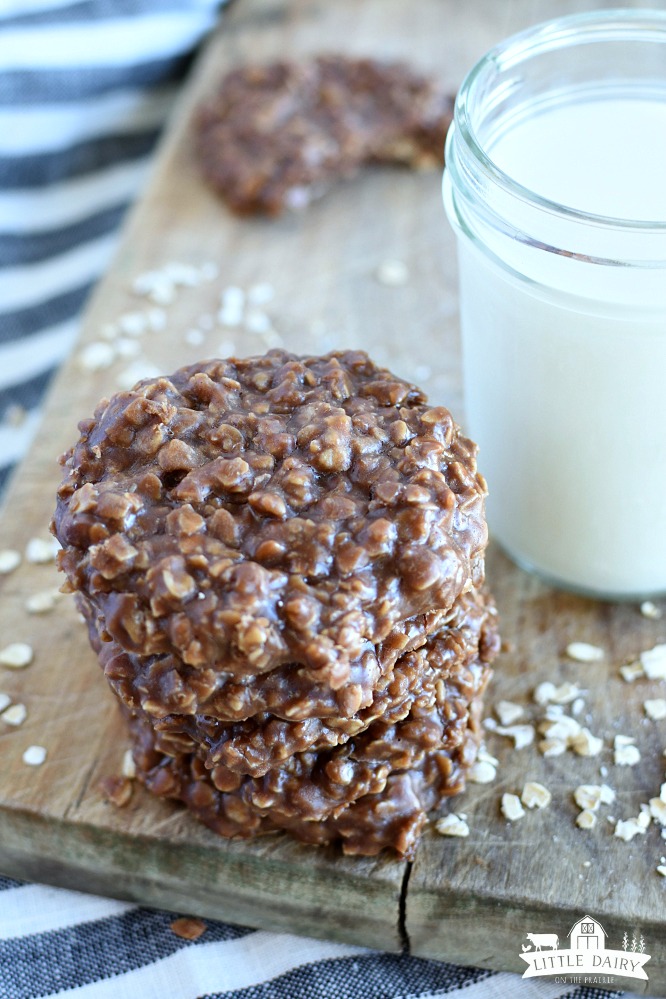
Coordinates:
[265,738]
[280,562]
[277,136]
[373,792]
[270,510]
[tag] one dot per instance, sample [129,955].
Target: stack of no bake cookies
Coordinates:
[280,561]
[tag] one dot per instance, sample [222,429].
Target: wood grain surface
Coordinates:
[468,900]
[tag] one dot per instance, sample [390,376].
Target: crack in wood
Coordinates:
[402,909]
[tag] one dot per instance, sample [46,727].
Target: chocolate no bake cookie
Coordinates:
[270,510]
[280,561]
[277,136]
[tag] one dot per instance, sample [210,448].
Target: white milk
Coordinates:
[565,360]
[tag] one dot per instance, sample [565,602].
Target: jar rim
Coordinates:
[625,24]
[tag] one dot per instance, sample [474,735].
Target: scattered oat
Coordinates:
[566,693]
[626,754]
[40,551]
[42,602]
[185,275]
[133,323]
[127,349]
[260,294]
[552,747]
[607,795]
[117,790]
[194,337]
[626,829]
[653,662]
[590,796]
[5,701]
[491,725]
[17,655]
[97,355]
[562,727]
[522,735]
[9,560]
[128,765]
[544,692]
[583,652]
[34,756]
[586,819]
[661,870]
[648,609]
[188,928]
[655,708]
[586,744]
[230,316]
[257,322]
[393,273]
[156,319]
[577,706]
[233,296]
[138,370]
[644,818]
[452,825]
[155,285]
[547,693]
[508,712]
[511,807]
[535,795]
[15,715]
[163,293]
[657,808]
[482,772]
[483,756]
[631,672]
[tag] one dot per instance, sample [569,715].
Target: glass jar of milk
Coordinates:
[555,184]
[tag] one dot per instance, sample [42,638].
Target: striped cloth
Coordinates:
[56,942]
[84,90]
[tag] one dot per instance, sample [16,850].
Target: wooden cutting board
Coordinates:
[467,900]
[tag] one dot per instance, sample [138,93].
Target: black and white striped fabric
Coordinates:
[60,943]
[84,90]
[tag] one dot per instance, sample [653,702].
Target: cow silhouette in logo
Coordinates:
[544,940]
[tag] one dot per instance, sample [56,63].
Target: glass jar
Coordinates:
[555,184]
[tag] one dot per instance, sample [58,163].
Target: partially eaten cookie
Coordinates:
[277,136]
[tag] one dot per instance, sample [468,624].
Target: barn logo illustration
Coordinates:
[587,959]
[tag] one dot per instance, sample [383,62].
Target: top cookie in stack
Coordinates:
[258,546]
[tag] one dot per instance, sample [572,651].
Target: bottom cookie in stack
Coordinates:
[371,792]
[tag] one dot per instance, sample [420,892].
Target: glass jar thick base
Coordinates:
[558,583]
